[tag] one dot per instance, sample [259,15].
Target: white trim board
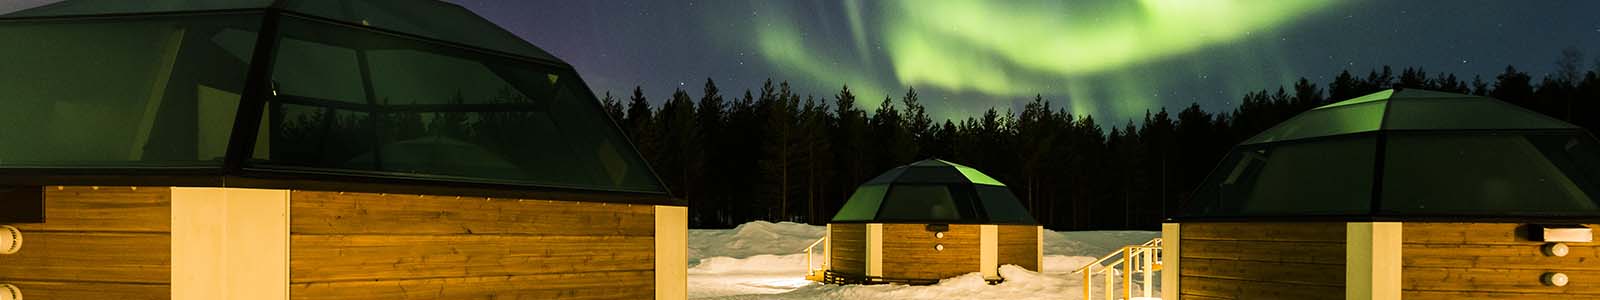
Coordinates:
[230,243]
[672,252]
[1372,261]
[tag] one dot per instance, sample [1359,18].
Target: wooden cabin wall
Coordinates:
[1019,245]
[908,251]
[1490,261]
[97,243]
[1262,260]
[389,246]
[847,252]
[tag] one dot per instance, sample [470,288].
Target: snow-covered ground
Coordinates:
[762,260]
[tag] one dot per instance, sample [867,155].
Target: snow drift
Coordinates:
[763,260]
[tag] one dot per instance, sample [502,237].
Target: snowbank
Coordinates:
[763,260]
[752,239]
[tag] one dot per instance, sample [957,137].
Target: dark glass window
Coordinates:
[925,202]
[1464,113]
[130,92]
[1490,174]
[347,99]
[1333,120]
[102,7]
[863,204]
[1327,177]
[1002,206]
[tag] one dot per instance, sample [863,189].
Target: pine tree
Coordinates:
[613,107]
[711,114]
[679,155]
[781,148]
[917,123]
[1344,87]
[850,141]
[1515,87]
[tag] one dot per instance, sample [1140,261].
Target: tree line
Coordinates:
[775,155]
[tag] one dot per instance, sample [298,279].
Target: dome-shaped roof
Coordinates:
[427,18]
[398,94]
[1408,154]
[933,191]
[1407,109]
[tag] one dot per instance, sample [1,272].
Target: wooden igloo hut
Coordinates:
[1402,193]
[314,149]
[927,221]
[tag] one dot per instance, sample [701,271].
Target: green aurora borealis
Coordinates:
[1013,49]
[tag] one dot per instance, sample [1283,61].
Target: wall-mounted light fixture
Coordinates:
[10,239]
[938,247]
[1556,279]
[1555,249]
[1567,233]
[10,292]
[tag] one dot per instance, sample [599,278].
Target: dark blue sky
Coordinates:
[1114,59]
[662,44]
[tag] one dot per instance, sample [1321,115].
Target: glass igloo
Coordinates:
[353,90]
[1408,154]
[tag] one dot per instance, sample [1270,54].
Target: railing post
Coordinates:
[1127,272]
[1149,257]
[1088,282]
[1109,289]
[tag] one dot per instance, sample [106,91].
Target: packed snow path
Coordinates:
[762,260]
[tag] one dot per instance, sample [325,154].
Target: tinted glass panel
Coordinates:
[1332,120]
[888,176]
[931,175]
[123,92]
[926,203]
[863,205]
[1324,177]
[1465,113]
[1490,174]
[359,101]
[433,19]
[1003,206]
[99,7]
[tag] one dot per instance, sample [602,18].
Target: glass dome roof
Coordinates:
[412,91]
[1408,154]
[933,191]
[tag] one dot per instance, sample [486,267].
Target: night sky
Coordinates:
[1112,58]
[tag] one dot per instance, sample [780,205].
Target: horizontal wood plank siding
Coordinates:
[587,285]
[1217,288]
[909,252]
[105,209]
[93,257]
[1490,261]
[388,214]
[848,249]
[393,246]
[373,257]
[1262,260]
[96,243]
[68,290]
[1019,245]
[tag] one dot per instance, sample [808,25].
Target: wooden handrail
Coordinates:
[809,268]
[1132,258]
